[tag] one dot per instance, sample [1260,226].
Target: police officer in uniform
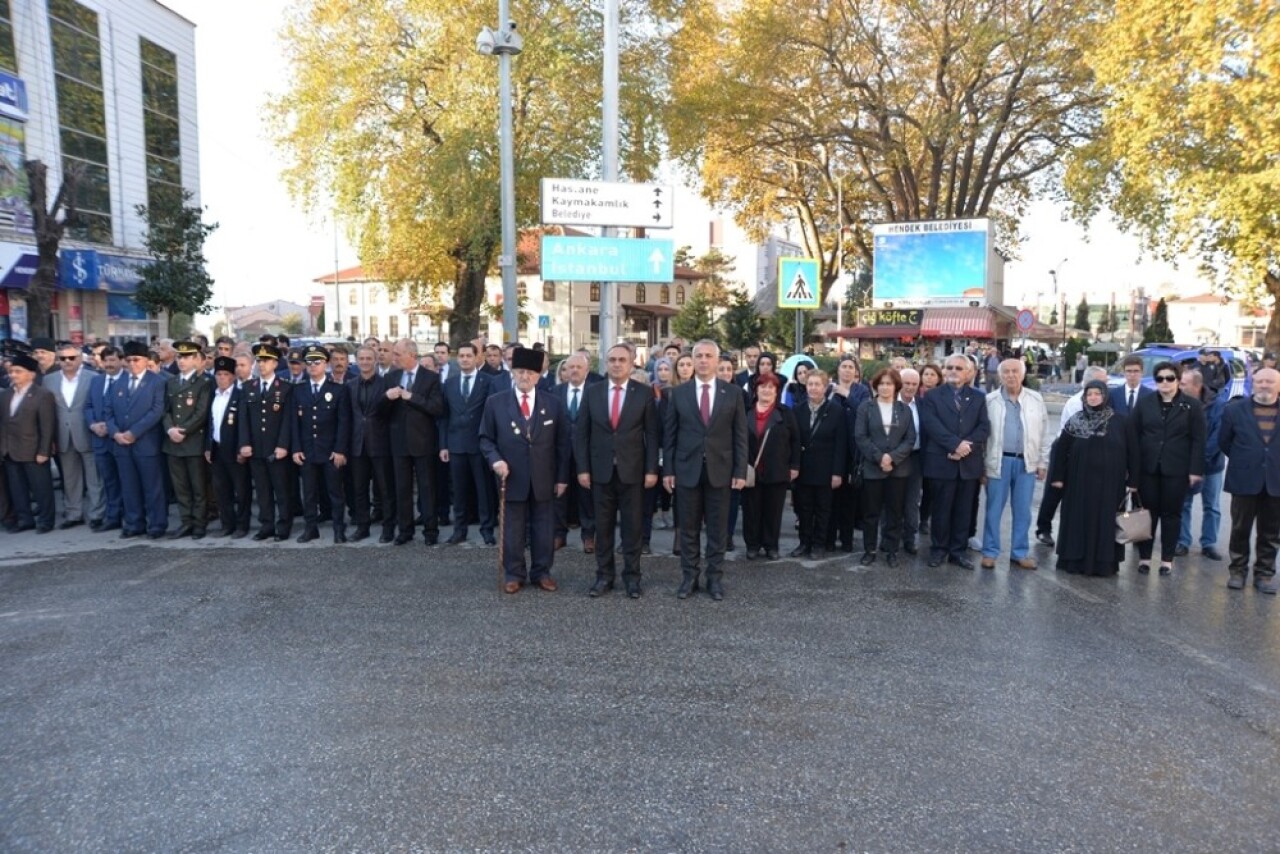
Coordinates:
[266,434]
[186,416]
[321,437]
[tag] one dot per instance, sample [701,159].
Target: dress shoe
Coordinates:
[754,554]
[184,531]
[867,559]
[988,563]
[490,541]
[799,551]
[198,534]
[633,589]
[458,538]
[1165,570]
[716,590]
[1181,551]
[129,535]
[339,535]
[281,536]
[1023,563]
[1211,553]
[1265,584]
[70,523]
[387,537]
[511,587]
[589,547]
[401,539]
[558,543]
[109,526]
[935,560]
[239,535]
[891,559]
[772,554]
[308,535]
[962,562]
[431,540]
[264,534]
[1044,538]
[910,549]
[1235,582]
[361,533]
[685,590]
[646,549]
[224,532]
[155,535]
[601,587]
[548,584]
[1144,568]
[818,553]
[95,525]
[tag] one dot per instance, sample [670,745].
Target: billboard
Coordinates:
[940,262]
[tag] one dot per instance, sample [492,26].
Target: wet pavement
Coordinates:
[203,697]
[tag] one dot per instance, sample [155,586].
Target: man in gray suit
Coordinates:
[80,481]
[704,457]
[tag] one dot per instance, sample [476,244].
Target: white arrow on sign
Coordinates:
[656,258]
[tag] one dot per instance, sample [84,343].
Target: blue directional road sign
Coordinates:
[798,283]
[607,259]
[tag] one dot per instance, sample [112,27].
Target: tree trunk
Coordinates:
[48,234]
[468,296]
[1272,336]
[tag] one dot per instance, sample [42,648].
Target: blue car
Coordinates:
[1240,365]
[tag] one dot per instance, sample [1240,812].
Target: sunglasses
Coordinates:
[1166,378]
[67,358]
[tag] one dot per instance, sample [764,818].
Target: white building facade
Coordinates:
[107,87]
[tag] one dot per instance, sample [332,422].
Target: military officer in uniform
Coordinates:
[222,451]
[321,437]
[525,437]
[186,416]
[266,433]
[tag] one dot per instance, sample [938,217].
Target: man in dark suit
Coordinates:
[186,417]
[265,435]
[1125,397]
[524,436]
[576,502]
[464,394]
[1247,434]
[28,424]
[222,452]
[133,423]
[370,451]
[704,452]
[743,378]
[95,414]
[321,437]
[416,402]
[953,418]
[616,454]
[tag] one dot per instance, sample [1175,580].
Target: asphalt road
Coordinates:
[365,698]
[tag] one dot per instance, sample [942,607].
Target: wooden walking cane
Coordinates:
[502,530]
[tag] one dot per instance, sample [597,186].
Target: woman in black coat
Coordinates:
[1169,430]
[885,433]
[773,447]
[849,391]
[824,461]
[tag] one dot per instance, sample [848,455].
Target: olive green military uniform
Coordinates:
[187,408]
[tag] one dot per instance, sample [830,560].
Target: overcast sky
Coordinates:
[267,248]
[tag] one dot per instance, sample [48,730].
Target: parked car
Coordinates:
[1240,365]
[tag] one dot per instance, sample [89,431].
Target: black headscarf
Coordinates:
[1091,421]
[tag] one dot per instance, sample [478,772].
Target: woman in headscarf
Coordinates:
[1095,461]
[797,392]
[657,499]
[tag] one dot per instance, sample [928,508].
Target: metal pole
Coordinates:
[840,262]
[799,331]
[609,162]
[507,260]
[337,288]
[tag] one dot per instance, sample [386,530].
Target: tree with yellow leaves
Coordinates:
[907,109]
[1189,152]
[390,118]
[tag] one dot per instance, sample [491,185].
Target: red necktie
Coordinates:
[524,406]
[617,405]
[705,407]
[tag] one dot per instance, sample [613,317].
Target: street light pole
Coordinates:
[505,42]
[609,161]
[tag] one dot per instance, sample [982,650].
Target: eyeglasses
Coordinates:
[1166,378]
[68,358]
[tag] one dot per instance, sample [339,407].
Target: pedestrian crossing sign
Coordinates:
[798,285]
